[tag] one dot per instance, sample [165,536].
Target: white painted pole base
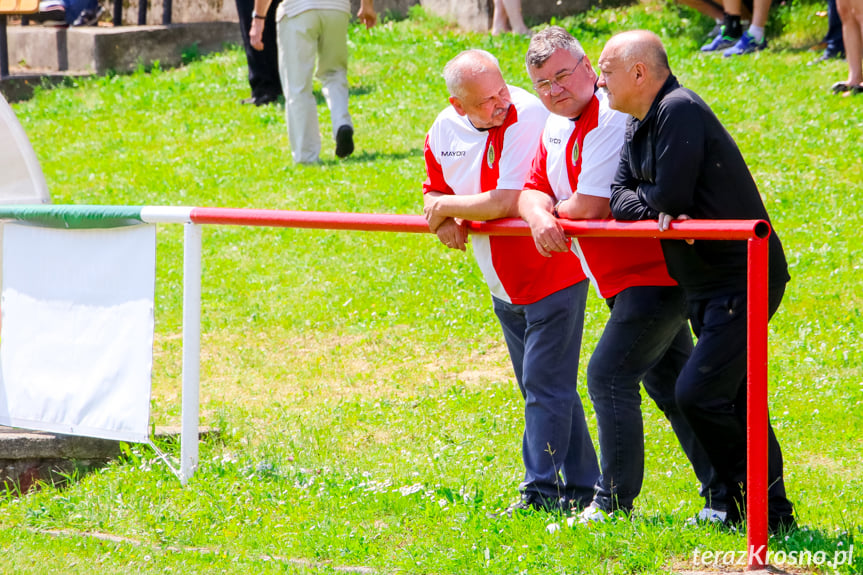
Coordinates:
[191,350]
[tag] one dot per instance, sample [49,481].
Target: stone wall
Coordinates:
[468,14]
[182,11]
[476,15]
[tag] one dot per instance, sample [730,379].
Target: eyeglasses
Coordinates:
[544,86]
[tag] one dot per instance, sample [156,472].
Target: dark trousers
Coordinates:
[544,340]
[835,45]
[646,339]
[263,65]
[711,393]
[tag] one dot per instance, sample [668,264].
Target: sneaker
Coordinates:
[531,502]
[593,513]
[719,42]
[827,55]
[50,11]
[344,141]
[261,100]
[781,525]
[746,45]
[708,515]
[88,17]
[715,31]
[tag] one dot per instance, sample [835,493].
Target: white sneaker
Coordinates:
[708,515]
[591,514]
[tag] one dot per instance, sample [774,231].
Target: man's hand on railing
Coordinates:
[453,234]
[666,219]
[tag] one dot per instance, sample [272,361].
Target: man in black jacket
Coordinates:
[679,162]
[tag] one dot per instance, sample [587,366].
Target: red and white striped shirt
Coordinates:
[463,160]
[582,156]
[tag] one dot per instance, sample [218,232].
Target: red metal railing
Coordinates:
[754,231]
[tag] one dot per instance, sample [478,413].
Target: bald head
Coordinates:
[477,89]
[641,46]
[634,67]
[466,68]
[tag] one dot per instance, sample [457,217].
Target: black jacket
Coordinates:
[680,160]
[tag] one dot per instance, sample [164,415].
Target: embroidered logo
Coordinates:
[490,156]
[575,153]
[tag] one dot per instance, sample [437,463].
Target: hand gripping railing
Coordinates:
[755,232]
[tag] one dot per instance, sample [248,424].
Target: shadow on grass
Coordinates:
[365,156]
[352,91]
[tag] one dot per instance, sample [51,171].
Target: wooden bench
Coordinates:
[12,7]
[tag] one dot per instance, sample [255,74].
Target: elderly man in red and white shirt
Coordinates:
[478,153]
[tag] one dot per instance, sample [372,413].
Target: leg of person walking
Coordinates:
[333,74]
[298,46]
[263,64]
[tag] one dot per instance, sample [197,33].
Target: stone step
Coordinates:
[99,49]
[28,458]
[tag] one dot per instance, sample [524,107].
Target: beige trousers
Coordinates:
[312,35]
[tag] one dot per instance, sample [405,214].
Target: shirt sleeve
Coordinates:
[537,179]
[625,203]
[679,153]
[520,145]
[601,157]
[435,181]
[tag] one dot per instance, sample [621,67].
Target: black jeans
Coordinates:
[646,339]
[711,394]
[264,65]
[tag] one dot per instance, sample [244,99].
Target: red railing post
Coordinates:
[756,399]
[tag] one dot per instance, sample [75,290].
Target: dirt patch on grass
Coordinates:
[311,368]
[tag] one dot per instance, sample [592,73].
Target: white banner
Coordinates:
[76,338]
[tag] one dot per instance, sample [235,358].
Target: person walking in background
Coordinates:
[507,16]
[310,31]
[263,64]
[679,161]
[477,154]
[646,337]
[851,13]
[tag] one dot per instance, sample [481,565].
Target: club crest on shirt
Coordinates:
[575,153]
[490,156]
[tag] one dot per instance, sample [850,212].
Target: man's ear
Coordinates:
[456,103]
[640,71]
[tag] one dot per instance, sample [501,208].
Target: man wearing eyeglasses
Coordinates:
[646,337]
[478,153]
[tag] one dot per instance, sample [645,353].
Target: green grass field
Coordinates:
[368,417]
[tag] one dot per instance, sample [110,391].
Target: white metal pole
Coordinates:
[191,350]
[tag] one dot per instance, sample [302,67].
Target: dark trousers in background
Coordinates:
[835,45]
[263,65]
